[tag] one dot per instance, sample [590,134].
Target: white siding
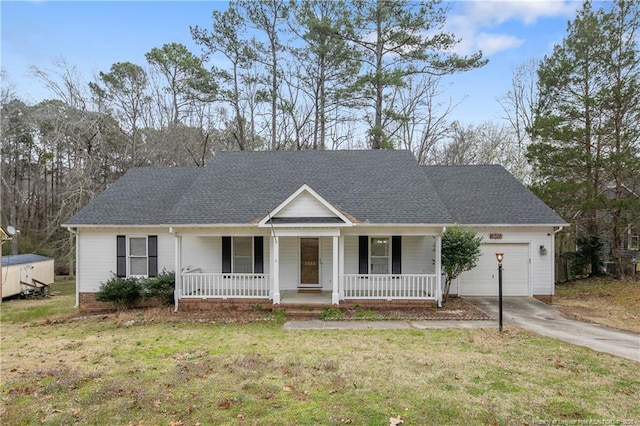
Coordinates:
[351,255]
[326,262]
[204,253]
[305,205]
[97,254]
[418,255]
[289,263]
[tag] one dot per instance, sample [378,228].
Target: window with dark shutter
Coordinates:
[363,254]
[152,242]
[226,255]
[396,254]
[258,255]
[121,256]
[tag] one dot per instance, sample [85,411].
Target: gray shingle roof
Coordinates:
[143,196]
[488,194]
[370,186]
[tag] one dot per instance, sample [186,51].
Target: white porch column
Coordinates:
[341,267]
[335,296]
[275,270]
[439,269]
[177,293]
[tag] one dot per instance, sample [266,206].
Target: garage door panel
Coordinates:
[483,279]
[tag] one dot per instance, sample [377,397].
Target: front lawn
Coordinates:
[103,370]
[603,301]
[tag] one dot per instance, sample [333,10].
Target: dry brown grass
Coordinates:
[605,301]
[164,370]
[193,369]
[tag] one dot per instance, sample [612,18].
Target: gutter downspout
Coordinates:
[439,266]
[177,278]
[75,234]
[553,256]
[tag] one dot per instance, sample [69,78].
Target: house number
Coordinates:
[309,263]
[495,236]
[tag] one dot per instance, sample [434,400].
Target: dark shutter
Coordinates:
[121,256]
[226,255]
[152,242]
[396,254]
[258,255]
[363,254]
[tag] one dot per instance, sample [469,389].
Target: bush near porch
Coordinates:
[606,301]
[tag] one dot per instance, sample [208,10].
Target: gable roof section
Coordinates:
[304,206]
[367,186]
[476,195]
[143,196]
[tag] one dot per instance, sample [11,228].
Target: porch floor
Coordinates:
[293,296]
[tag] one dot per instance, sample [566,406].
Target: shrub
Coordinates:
[122,292]
[331,314]
[460,253]
[588,253]
[161,286]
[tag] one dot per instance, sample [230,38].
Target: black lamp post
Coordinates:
[500,256]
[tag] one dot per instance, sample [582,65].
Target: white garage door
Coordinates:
[483,279]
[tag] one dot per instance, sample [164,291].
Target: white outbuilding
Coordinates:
[26,274]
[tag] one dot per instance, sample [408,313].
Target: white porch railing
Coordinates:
[377,286]
[204,285]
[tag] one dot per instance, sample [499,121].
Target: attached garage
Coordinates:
[483,279]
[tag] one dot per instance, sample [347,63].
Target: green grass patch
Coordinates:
[365,314]
[60,303]
[331,314]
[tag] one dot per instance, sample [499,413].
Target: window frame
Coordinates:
[388,256]
[233,255]
[130,256]
[634,242]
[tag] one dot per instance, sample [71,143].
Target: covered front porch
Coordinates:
[310,265]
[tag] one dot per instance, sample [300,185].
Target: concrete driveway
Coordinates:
[534,315]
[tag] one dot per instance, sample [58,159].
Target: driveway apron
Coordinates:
[539,317]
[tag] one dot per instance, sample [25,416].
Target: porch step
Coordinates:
[310,290]
[297,311]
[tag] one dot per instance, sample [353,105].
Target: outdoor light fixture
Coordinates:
[499,257]
[543,250]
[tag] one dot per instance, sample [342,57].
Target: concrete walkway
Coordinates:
[544,319]
[524,312]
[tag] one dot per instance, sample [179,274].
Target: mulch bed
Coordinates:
[454,309]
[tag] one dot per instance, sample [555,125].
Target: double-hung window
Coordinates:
[634,242]
[137,255]
[380,255]
[243,255]
[138,260]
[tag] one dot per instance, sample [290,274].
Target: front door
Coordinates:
[309,262]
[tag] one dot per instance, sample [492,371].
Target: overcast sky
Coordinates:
[94,35]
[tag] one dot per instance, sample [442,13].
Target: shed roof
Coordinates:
[21,259]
